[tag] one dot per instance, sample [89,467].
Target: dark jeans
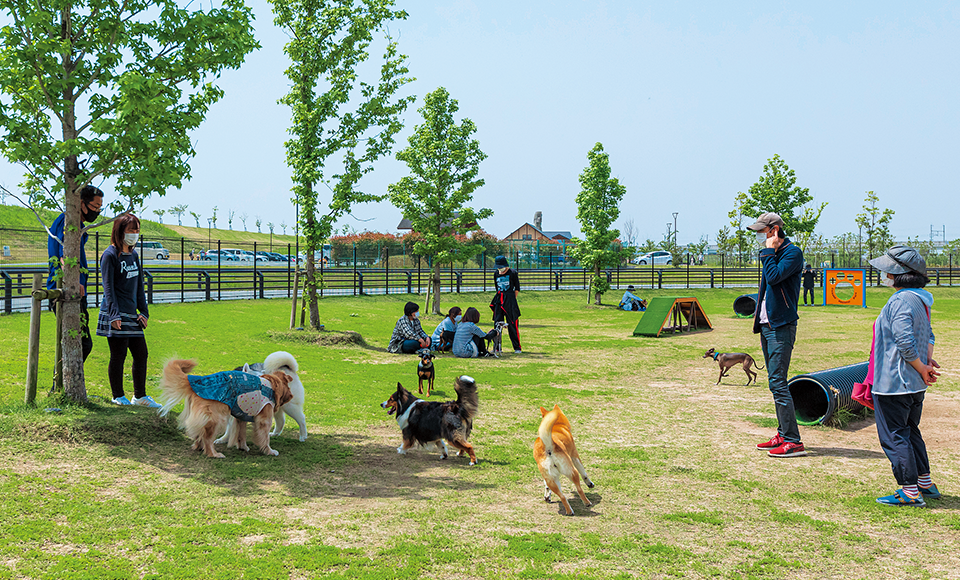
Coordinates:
[86,341]
[813,298]
[777,344]
[898,426]
[409,346]
[137,345]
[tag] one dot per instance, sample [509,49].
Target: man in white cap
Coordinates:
[775,320]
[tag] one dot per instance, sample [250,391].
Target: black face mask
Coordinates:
[90,215]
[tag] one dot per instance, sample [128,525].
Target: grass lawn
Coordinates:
[109,492]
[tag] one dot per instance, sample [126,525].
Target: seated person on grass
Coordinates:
[442,338]
[469,341]
[408,336]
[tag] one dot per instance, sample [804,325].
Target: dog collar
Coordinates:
[403,420]
[715,355]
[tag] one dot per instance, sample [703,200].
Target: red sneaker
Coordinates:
[777,441]
[787,449]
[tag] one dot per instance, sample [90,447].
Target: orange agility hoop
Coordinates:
[842,281]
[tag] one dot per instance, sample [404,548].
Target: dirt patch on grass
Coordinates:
[322,338]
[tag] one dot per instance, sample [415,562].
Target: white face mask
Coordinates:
[416,314]
[886,280]
[131,239]
[761,237]
[457,319]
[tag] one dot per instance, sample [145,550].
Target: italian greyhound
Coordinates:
[729,359]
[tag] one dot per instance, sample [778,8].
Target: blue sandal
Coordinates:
[900,498]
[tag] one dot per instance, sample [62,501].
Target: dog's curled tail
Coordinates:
[279,360]
[467,399]
[757,365]
[174,386]
[545,432]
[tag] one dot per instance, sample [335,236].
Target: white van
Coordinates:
[150,250]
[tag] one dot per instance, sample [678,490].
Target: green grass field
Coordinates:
[109,492]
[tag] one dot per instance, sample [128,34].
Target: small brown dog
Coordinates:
[209,401]
[556,455]
[730,359]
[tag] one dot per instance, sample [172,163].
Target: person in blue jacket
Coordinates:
[442,338]
[775,320]
[91,200]
[903,368]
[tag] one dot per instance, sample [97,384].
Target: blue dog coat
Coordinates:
[245,394]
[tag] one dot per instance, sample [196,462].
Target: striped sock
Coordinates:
[911,491]
[924,481]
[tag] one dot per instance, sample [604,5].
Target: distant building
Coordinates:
[535,233]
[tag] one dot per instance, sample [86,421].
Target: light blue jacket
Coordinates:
[901,334]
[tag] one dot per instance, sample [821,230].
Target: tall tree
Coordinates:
[741,242]
[875,222]
[179,210]
[340,129]
[444,160]
[230,214]
[598,206]
[97,89]
[196,217]
[777,191]
[243,218]
[159,213]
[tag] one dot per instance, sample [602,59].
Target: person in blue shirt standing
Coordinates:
[904,367]
[775,320]
[91,200]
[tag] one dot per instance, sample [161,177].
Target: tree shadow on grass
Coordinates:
[342,465]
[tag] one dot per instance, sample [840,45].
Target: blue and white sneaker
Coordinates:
[122,401]
[146,401]
[930,492]
[900,498]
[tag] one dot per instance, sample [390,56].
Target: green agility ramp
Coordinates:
[668,314]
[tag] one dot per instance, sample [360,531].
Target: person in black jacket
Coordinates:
[504,303]
[809,279]
[123,311]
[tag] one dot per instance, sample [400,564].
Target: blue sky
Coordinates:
[688,98]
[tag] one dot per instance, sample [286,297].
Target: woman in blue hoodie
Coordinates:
[903,369]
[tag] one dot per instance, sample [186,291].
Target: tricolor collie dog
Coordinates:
[429,423]
[209,401]
[284,362]
[556,455]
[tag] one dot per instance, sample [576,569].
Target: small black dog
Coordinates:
[497,347]
[426,370]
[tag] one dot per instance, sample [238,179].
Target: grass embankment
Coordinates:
[114,492]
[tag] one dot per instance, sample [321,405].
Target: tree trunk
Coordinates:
[596,276]
[436,287]
[311,274]
[74,385]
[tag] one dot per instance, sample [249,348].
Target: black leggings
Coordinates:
[812,297]
[137,345]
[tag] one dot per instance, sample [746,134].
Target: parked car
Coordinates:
[213,255]
[658,257]
[272,256]
[240,255]
[153,250]
[248,256]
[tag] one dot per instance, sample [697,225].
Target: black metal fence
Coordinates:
[199,281]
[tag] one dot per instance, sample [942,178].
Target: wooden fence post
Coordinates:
[33,346]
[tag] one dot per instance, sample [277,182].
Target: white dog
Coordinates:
[284,362]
